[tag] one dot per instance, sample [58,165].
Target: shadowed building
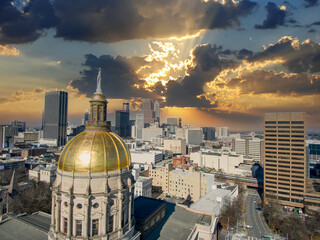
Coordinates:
[55,116]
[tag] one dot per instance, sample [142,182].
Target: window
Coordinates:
[110,224]
[95,227]
[297,122]
[65,225]
[283,122]
[78,228]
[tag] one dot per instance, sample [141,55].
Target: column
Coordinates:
[104,229]
[69,231]
[120,214]
[86,219]
[53,209]
[58,214]
[130,208]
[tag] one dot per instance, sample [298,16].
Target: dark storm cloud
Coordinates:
[118,78]
[261,81]
[26,25]
[298,58]
[112,21]
[275,17]
[208,64]
[310,3]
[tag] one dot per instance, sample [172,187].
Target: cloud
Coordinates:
[261,81]
[275,17]
[298,57]
[208,61]
[22,96]
[9,51]
[310,3]
[25,25]
[119,79]
[112,21]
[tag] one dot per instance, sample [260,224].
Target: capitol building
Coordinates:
[92,196]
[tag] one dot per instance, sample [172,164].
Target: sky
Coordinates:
[213,63]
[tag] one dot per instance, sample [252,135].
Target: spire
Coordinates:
[99,90]
[98,109]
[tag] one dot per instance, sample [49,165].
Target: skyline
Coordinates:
[225,61]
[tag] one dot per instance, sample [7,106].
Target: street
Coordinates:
[252,217]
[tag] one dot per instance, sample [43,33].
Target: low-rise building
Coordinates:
[33,152]
[160,177]
[225,161]
[189,184]
[143,187]
[146,157]
[177,146]
[214,200]
[34,174]
[181,161]
[48,174]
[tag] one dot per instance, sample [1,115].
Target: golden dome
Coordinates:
[94,152]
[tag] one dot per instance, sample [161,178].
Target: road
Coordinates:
[252,217]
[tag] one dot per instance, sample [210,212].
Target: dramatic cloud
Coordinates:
[27,24]
[298,57]
[119,79]
[275,17]
[112,21]
[310,3]
[208,62]
[7,50]
[260,81]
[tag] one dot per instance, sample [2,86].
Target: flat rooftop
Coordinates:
[210,202]
[28,227]
[178,224]
[145,207]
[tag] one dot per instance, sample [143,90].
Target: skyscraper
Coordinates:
[208,133]
[139,125]
[156,107]
[148,111]
[285,158]
[122,121]
[55,116]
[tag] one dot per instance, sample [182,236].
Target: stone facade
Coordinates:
[98,205]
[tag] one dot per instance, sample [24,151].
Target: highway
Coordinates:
[252,217]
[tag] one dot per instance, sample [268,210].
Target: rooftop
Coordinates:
[145,207]
[178,224]
[27,227]
[212,201]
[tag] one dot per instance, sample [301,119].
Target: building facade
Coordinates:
[123,127]
[55,116]
[285,158]
[143,187]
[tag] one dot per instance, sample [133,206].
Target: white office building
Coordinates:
[143,187]
[146,157]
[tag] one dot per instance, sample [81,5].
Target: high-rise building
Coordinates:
[122,121]
[55,116]
[86,117]
[19,126]
[222,132]
[156,107]
[139,125]
[148,111]
[285,158]
[208,133]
